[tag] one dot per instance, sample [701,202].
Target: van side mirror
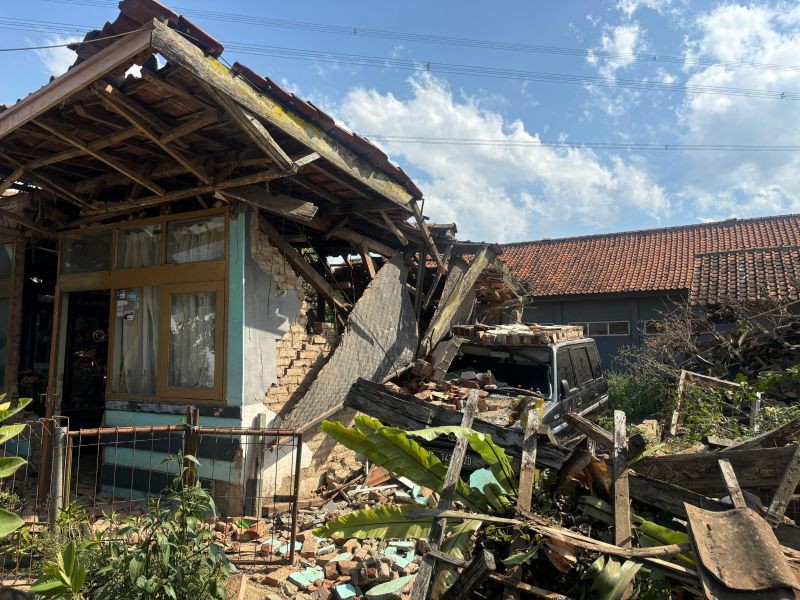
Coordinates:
[564,387]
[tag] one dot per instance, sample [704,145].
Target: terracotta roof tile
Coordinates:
[639,261]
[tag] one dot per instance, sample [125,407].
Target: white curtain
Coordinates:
[139,247]
[194,241]
[192,340]
[136,343]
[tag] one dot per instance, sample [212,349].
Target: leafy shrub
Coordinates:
[169,553]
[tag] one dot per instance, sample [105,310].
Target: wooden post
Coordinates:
[729,476]
[527,479]
[755,407]
[422,581]
[622,503]
[780,500]
[474,574]
[422,257]
[673,423]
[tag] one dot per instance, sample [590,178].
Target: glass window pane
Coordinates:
[619,328]
[86,254]
[580,361]
[192,338]
[135,341]
[196,240]
[598,328]
[6,261]
[4,308]
[564,366]
[140,247]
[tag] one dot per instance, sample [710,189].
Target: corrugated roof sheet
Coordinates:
[639,261]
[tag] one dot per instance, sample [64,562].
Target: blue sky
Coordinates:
[523,191]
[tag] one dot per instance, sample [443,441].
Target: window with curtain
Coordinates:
[6,261]
[139,247]
[196,240]
[192,340]
[4,323]
[136,341]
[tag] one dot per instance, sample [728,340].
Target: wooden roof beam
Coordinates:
[174,90]
[142,203]
[172,45]
[148,124]
[15,218]
[103,142]
[76,79]
[47,183]
[112,162]
[423,227]
[11,180]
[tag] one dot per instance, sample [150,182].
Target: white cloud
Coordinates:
[499,193]
[618,46]
[628,7]
[725,184]
[58,60]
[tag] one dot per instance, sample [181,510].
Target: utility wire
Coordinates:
[481,71]
[80,43]
[355,31]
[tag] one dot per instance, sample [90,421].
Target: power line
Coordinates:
[480,71]
[507,143]
[366,32]
[80,43]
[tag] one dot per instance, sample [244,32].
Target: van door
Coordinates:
[589,376]
[566,373]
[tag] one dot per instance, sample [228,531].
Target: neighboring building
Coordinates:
[619,284]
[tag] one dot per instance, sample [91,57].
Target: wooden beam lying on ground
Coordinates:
[622,500]
[780,436]
[301,265]
[474,574]
[729,477]
[789,481]
[119,53]
[668,496]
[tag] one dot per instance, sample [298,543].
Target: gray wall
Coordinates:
[634,309]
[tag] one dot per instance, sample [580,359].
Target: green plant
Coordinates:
[9,521]
[169,553]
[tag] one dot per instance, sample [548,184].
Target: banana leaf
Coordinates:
[483,444]
[382,522]
[457,543]
[610,577]
[391,449]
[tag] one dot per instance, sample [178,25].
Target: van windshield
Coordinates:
[528,368]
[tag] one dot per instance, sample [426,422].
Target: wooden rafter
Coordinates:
[253,128]
[75,80]
[280,204]
[148,125]
[394,229]
[341,181]
[15,218]
[47,183]
[11,179]
[173,89]
[423,227]
[100,144]
[318,190]
[111,161]
[128,206]
[179,51]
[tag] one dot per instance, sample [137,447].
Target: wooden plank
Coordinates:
[279,204]
[673,422]
[423,227]
[359,239]
[666,496]
[14,218]
[11,179]
[699,472]
[729,477]
[130,205]
[394,229]
[529,589]
[422,581]
[591,430]
[252,127]
[622,501]
[527,480]
[75,79]
[190,125]
[473,575]
[780,436]
[301,265]
[409,412]
[437,278]
[449,307]
[47,183]
[148,125]
[180,51]
[100,144]
[443,355]
[109,160]
[364,251]
[422,258]
[789,481]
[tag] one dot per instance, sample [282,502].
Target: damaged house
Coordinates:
[171,229]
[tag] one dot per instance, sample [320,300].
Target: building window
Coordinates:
[605,328]
[135,350]
[87,253]
[652,327]
[139,247]
[196,240]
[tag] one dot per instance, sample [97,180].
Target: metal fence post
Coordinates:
[59,455]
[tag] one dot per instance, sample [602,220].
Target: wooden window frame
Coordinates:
[7,291]
[194,276]
[165,391]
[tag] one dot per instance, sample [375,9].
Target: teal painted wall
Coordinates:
[235,350]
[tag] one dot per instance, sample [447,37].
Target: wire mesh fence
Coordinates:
[78,483]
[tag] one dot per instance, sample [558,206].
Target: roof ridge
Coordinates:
[688,227]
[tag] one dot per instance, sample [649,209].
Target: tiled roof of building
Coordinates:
[650,260]
[743,275]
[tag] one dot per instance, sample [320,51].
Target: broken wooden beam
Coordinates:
[666,496]
[729,477]
[788,484]
[359,239]
[780,436]
[622,501]
[301,265]
[474,574]
[279,204]
[422,581]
